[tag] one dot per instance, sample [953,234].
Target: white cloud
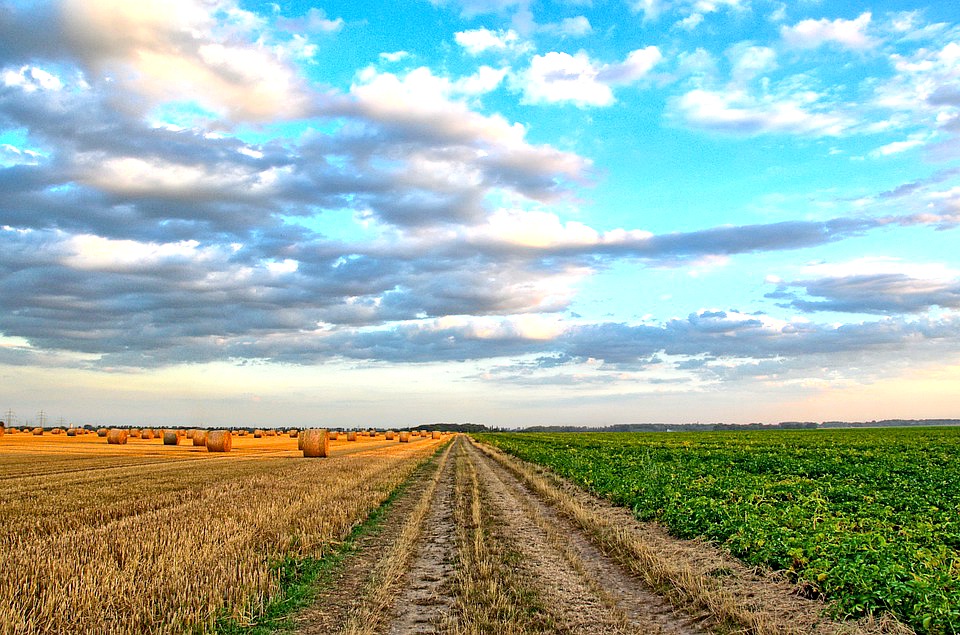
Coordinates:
[445,141]
[896,147]
[650,9]
[535,229]
[880,265]
[12,155]
[420,92]
[637,65]
[317,20]
[578,26]
[779,13]
[156,177]
[481,40]
[102,254]
[31,78]
[690,22]
[483,81]
[394,57]
[928,80]
[699,63]
[561,77]
[738,112]
[693,11]
[186,50]
[850,34]
[749,61]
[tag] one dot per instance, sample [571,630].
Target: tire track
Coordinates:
[584,590]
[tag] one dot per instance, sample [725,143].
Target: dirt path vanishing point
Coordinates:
[480,542]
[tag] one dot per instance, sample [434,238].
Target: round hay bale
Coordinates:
[271,433]
[404,437]
[300,440]
[258,434]
[72,432]
[389,435]
[436,434]
[102,432]
[316,443]
[351,436]
[134,433]
[293,433]
[147,434]
[57,431]
[170,437]
[199,438]
[38,432]
[219,441]
[332,436]
[2,430]
[117,436]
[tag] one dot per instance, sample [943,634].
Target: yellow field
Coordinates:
[145,537]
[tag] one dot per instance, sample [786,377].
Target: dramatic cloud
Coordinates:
[877,286]
[192,182]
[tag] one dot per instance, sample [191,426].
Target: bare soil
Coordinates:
[535,567]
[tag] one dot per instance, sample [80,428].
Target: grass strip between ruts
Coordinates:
[302,579]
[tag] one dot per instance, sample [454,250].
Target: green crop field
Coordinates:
[870,518]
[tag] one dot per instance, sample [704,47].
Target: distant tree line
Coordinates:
[450,427]
[713,427]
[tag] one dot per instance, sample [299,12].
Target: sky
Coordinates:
[511,212]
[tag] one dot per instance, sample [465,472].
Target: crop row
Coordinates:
[869,519]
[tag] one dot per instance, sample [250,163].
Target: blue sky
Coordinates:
[503,211]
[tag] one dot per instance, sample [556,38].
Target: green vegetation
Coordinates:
[868,518]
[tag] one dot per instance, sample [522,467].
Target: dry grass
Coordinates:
[490,595]
[367,617]
[74,511]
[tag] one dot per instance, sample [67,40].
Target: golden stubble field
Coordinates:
[145,537]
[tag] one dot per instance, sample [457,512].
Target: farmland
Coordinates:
[869,519]
[428,535]
[144,537]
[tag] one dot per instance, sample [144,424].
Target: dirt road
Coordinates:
[481,543]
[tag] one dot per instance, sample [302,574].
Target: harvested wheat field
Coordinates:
[435,535]
[153,538]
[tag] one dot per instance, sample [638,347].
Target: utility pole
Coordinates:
[42,419]
[8,417]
